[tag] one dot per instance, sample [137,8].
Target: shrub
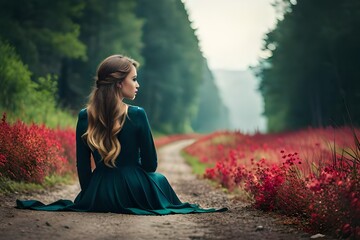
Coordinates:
[14,78]
[299,174]
[30,100]
[29,153]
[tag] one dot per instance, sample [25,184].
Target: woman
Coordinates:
[119,138]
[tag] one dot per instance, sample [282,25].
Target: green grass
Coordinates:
[197,166]
[199,169]
[52,119]
[10,186]
[54,180]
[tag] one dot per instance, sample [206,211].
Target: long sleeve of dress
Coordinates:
[83,152]
[147,148]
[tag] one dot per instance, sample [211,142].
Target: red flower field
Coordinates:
[29,153]
[312,174]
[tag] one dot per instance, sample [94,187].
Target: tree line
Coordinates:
[60,45]
[312,74]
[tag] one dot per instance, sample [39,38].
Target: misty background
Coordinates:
[239,91]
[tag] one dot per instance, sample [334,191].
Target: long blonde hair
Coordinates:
[106,111]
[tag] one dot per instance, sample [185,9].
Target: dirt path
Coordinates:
[240,222]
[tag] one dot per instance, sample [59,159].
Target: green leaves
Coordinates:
[66,40]
[14,77]
[42,33]
[172,73]
[312,74]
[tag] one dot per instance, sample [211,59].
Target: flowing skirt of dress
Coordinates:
[128,190]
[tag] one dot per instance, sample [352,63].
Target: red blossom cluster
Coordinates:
[308,174]
[67,139]
[30,152]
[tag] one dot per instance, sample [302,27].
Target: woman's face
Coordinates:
[129,86]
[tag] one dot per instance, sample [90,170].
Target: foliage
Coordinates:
[171,75]
[61,44]
[311,76]
[106,28]
[41,105]
[312,174]
[42,33]
[14,76]
[30,153]
[23,98]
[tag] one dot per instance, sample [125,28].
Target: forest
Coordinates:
[50,53]
[312,74]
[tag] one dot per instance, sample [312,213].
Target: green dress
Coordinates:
[132,187]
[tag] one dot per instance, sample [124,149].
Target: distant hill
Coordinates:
[238,89]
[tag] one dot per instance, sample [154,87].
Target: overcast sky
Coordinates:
[231,31]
